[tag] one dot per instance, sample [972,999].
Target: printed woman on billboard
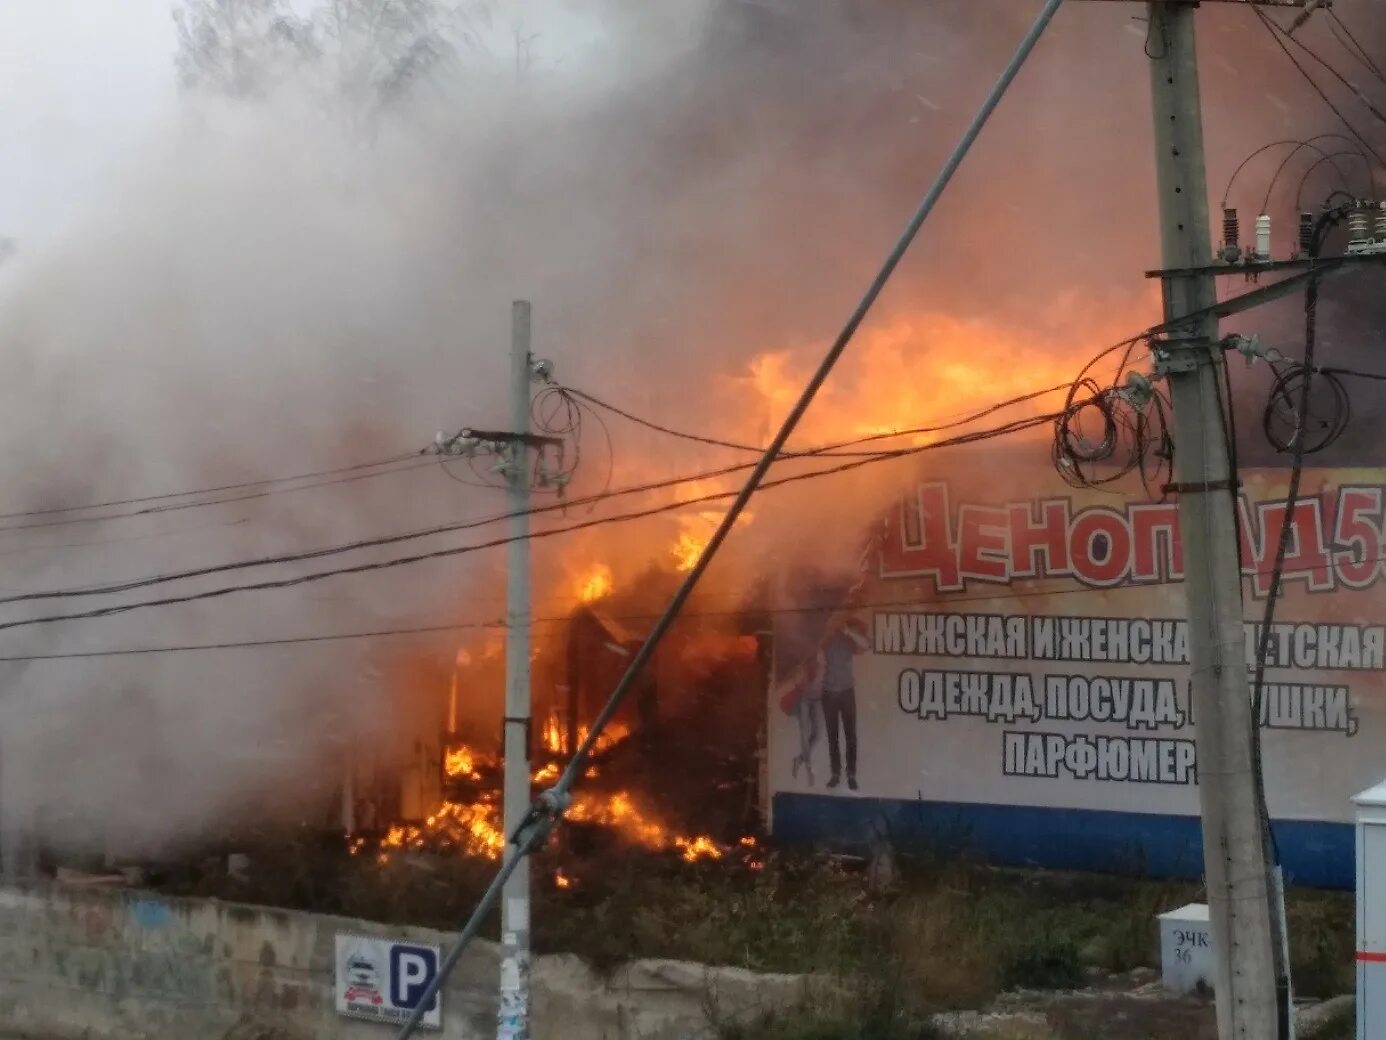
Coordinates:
[800,696]
[824,683]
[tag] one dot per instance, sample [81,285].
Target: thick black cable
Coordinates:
[378,565]
[1008,594]
[1167,326]
[826,451]
[1355,373]
[552,803]
[450,528]
[1311,297]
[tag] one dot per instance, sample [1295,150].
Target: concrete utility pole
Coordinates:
[1234,845]
[513,1019]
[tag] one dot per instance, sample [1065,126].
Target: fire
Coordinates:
[701,847]
[612,734]
[553,735]
[460,764]
[561,880]
[555,739]
[597,584]
[620,812]
[547,773]
[971,363]
[472,828]
[687,550]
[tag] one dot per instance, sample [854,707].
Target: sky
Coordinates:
[80,81]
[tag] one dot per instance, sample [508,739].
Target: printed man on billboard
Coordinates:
[846,637]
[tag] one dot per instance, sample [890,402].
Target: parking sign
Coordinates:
[381,980]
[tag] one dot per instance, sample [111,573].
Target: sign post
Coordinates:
[382,980]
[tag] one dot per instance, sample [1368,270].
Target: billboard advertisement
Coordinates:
[1010,673]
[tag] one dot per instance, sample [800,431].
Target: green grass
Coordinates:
[952,934]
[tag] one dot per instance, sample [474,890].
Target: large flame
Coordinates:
[460,763]
[920,370]
[475,827]
[596,584]
[687,549]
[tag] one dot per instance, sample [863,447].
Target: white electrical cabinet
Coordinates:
[1371,913]
[1186,949]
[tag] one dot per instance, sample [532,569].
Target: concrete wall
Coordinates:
[114,964]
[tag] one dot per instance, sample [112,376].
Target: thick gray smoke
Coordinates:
[290,280]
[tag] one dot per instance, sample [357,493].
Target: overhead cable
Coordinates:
[551,805]
[379,565]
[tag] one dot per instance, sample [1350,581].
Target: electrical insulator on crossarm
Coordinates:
[1231,250]
[1367,228]
[1306,234]
[1359,224]
[1263,237]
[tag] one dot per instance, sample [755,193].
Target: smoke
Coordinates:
[289,282]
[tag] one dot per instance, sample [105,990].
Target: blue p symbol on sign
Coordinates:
[411,970]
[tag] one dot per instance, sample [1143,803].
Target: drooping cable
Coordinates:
[1311,296]
[552,803]
[1324,156]
[467,525]
[1034,422]
[1342,182]
[828,451]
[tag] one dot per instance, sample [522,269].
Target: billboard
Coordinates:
[1019,680]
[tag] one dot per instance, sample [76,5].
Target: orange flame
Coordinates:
[687,550]
[553,735]
[597,584]
[547,773]
[460,764]
[700,847]
[562,880]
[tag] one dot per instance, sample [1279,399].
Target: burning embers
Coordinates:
[470,821]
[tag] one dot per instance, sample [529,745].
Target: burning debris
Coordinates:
[468,822]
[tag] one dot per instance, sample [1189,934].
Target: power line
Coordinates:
[824,451]
[209,490]
[228,500]
[395,539]
[379,565]
[1007,594]
[175,533]
[564,505]
[1340,30]
[1275,34]
[1333,71]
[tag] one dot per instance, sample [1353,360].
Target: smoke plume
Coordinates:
[291,280]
